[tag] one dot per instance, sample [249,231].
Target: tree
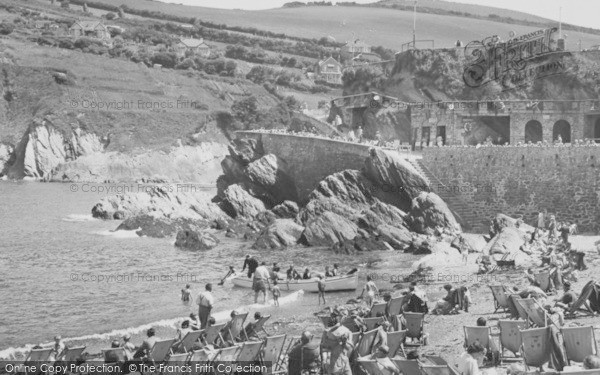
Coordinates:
[110,16]
[245,110]
[85,8]
[6,28]
[65,4]
[121,12]
[167,60]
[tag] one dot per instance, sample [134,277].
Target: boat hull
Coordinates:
[332,284]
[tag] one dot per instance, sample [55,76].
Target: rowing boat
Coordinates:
[332,284]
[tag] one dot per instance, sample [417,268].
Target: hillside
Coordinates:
[376,26]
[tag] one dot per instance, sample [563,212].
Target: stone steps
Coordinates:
[456,203]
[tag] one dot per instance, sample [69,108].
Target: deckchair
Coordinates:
[438,361]
[510,336]
[512,306]
[71,354]
[415,326]
[205,355]
[378,308]
[372,322]
[407,366]
[160,350]
[365,344]
[236,326]
[259,326]
[229,354]
[435,369]
[520,309]
[500,297]
[355,338]
[583,297]
[250,351]
[176,363]
[36,357]
[579,342]
[189,340]
[546,284]
[271,353]
[477,334]
[213,333]
[395,341]
[535,313]
[114,355]
[536,346]
[370,366]
[395,306]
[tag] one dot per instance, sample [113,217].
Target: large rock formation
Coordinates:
[6,157]
[280,234]
[238,203]
[43,148]
[271,173]
[193,240]
[430,213]
[328,229]
[509,240]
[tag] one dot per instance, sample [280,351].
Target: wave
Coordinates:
[79,218]
[220,316]
[119,233]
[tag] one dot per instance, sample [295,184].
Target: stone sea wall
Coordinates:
[521,181]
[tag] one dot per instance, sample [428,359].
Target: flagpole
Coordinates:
[415,25]
[560,22]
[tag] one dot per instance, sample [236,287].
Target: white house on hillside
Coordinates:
[356,46]
[92,29]
[196,46]
[329,70]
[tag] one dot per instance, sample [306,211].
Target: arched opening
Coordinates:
[597,130]
[562,128]
[533,131]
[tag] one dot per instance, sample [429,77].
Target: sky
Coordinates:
[578,12]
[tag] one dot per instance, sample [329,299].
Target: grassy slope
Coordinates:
[376,26]
[105,79]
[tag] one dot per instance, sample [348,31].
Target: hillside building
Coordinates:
[329,70]
[356,47]
[195,46]
[91,29]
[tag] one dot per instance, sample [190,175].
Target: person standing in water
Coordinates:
[205,304]
[186,294]
[260,282]
[251,263]
[371,290]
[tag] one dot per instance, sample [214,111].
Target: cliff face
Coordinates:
[43,148]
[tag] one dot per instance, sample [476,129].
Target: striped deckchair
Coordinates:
[510,336]
[579,342]
[500,297]
[536,346]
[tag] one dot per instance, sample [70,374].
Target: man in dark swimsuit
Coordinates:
[252,265]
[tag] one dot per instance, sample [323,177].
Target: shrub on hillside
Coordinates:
[6,28]
[65,4]
[245,110]
[110,16]
[186,64]
[166,59]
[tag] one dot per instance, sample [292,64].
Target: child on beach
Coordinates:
[186,294]
[276,293]
[321,285]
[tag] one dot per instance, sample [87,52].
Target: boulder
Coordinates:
[397,237]
[238,203]
[193,240]
[509,240]
[430,213]
[396,181]
[6,157]
[280,234]
[150,225]
[271,173]
[328,229]
[246,150]
[286,210]
[441,257]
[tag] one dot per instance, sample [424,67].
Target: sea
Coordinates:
[62,272]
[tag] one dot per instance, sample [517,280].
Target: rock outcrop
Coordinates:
[328,229]
[271,173]
[239,204]
[44,147]
[430,213]
[278,235]
[509,240]
[193,240]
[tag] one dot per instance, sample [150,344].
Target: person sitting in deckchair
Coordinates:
[386,366]
[194,322]
[493,355]
[304,356]
[128,346]
[591,362]
[147,344]
[181,332]
[446,304]
[469,361]
[569,298]
[250,327]
[530,292]
[358,323]
[229,341]
[381,339]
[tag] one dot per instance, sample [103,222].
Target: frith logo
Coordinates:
[513,63]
